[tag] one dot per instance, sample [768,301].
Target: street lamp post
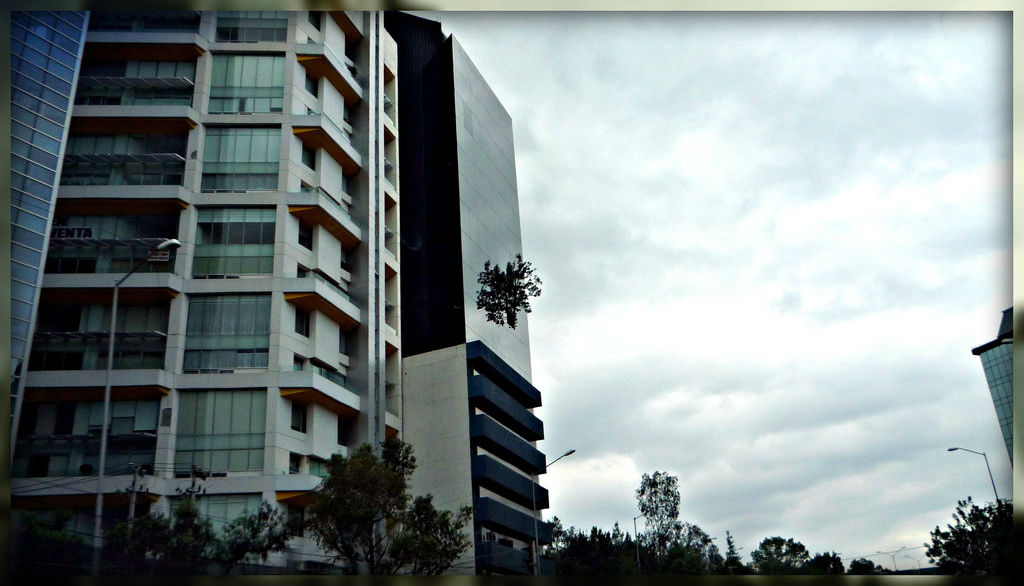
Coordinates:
[636,542]
[990,479]
[892,554]
[168,244]
[533,499]
[918,560]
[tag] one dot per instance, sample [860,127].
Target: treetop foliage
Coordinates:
[979,542]
[503,293]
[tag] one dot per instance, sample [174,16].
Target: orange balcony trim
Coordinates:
[142,51]
[118,206]
[301,498]
[87,394]
[318,215]
[132,125]
[128,296]
[320,66]
[314,302]
[317,137]
[307,395]
[347,26]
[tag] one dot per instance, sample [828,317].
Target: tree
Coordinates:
[597,553]
[658,499]
[155,541]
[44,538]
[980,542]
[825,563]
[504,293]
[732,563]
[777,556]
[861,566]
[361,515]
[265,530]
[430,540]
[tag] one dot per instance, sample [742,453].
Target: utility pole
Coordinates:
[136,487]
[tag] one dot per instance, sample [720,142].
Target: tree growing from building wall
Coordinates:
[504,293]
[364,516]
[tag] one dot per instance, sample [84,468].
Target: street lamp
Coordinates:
[918,560]
[986,465]
[167,244]
[893,555]
[636,542]
[533,499]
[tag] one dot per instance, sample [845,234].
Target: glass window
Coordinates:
[306,236]
[252,26]
[226,332]
[309,157]
[298,416]
[241,159]
[221,431]
[247,83]
[234,241]
[301,322]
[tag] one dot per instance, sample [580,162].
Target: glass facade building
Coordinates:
[46,52]
[997,361]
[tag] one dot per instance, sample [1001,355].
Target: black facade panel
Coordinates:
[431,234]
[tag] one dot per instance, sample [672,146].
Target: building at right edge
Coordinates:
[997,360]
[459,210]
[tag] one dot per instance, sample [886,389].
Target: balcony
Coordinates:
[392,342]
[502,559]
[309,386]
[317,207]
[318,131]
[489,435]
[493,400]
[78,455]
[316,294]
[132,119]
[56,386]
[502,518]
[492,475]
[320,61]
[485,361]
[141,288]
[143,46]
[350,24]
[122,199]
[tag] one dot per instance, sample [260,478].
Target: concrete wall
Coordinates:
[435,382]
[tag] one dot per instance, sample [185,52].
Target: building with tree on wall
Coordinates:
[461,209]
[997,360]
[267,144]
[315,303]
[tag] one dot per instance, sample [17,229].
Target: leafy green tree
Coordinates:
[503,294]
[45,538]
[154,542]
[265,530]
[658,499]
[862,566]
[825,563]
[777,556]
[361,515]
[596,553]
[732,563]
[430,540]
[980,541]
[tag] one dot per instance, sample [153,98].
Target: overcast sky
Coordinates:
[768,244]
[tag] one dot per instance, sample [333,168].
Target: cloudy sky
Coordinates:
[768,244]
